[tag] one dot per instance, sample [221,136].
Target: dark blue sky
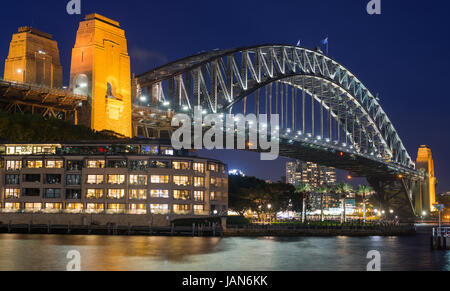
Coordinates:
[403,54]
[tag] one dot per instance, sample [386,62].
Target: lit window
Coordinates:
[12,193]
[180,165]
[33,207]
[159,179]
[159,164]
[140,180]
[54,164]
[95,179]
[116,193]
[53,206]
[181,195]
[138,194]
[198,195]
[216,182]
[181,208]
[13,165]
[214,167]
[159,193]
[181,180]
[199,167]
[94,207]
[152,150]
[11,150]
[213,196]
[94,193]
[199,182]
[137,209]
[96,164]
[116,179]
[12,206]
[199,209]
[74,207]
[159,208]
[34,164]
[167,151]
[116,208]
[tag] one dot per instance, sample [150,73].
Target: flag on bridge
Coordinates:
[299,43]
[325,42]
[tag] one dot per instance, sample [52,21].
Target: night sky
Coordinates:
[402,55]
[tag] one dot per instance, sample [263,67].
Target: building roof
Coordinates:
[34,31]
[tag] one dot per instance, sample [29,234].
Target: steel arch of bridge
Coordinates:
[222,79]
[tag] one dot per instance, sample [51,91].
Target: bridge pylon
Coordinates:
[425,196]
[100,70]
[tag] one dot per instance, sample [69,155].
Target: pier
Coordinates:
[440,240]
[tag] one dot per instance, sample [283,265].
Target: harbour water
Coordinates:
[49,252]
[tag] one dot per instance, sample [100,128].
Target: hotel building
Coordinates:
[299,172]
[134,182]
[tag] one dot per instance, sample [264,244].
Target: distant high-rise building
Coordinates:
[306,172]
[34,59]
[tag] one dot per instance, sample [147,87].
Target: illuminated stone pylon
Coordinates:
[427,190]
[101,70]
[34,59]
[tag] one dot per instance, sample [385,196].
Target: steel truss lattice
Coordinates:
[343,111]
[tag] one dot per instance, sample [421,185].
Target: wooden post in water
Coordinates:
[193,229]
[29,226]
[172,230]
[9,226]
[49,227]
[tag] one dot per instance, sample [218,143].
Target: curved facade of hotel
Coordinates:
[137,182]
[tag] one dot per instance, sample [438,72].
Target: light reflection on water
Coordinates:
[48,252]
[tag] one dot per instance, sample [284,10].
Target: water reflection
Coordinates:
[48,252]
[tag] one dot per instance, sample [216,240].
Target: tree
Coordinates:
[34,128]
[364,191]
[322,190]
[343,189]
[250,193]
[304,189]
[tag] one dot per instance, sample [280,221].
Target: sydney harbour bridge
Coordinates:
[326,114]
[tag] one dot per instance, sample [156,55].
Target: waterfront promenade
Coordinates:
[212,229]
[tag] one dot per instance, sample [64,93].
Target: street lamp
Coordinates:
[269,206]
[439,207]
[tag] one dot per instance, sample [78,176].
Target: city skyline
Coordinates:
[153,45]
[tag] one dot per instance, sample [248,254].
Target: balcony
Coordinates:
[182,212]
[160,211]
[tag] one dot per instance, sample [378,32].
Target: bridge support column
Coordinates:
[394,194]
